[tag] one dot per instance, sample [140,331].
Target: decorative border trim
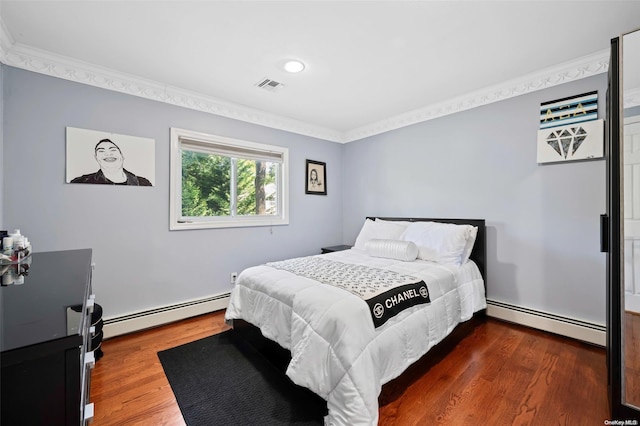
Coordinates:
[568,327]
[631,98]
[586,66]
[43,62]
[6,41]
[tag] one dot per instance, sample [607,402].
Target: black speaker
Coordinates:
[96,340]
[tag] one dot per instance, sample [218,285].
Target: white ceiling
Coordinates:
[366,61]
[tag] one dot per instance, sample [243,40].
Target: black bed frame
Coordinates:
[479,252]
[280,357]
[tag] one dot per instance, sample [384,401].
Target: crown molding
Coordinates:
[6,41]
[43,62]
[585,66]
[631,98]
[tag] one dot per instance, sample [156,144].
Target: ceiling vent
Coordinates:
[270,85]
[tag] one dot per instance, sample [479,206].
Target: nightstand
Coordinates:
[335,248]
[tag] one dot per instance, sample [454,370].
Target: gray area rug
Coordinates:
[221,380]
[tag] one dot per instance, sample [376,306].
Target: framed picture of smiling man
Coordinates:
[109,159]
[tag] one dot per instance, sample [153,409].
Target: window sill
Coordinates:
[228,223]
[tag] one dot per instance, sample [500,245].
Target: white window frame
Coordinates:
[176,221]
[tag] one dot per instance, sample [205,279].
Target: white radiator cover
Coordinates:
[164,315]
[564,326]
[579,330]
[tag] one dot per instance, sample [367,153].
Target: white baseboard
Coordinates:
[580,330]
[160,316]
[632,302]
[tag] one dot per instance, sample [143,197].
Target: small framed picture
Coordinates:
[316,181]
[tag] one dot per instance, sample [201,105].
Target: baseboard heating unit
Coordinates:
[155,317]
[564,326]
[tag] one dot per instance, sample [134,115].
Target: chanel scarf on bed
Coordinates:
[386,292]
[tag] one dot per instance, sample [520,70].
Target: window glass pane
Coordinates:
[220,182]
[257,187]
[206,184]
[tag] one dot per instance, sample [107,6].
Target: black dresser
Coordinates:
[45,333]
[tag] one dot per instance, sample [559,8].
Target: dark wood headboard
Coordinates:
[479,252]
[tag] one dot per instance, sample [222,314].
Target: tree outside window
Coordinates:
[227,184]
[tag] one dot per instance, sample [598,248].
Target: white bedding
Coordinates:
[336,351]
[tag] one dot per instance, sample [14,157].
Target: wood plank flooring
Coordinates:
[632,358]
[128,385]
[499,374]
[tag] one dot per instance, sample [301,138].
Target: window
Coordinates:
[222,182]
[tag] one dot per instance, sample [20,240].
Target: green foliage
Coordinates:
[246,187]
[206,185]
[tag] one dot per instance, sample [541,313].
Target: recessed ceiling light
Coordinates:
[293,66]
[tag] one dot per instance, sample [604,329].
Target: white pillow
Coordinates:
[392,249]
[439,242]
[378,230]
[471,239]
[404,223]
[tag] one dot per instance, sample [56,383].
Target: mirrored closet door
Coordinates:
[623,227]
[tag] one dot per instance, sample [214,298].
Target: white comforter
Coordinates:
[336,352]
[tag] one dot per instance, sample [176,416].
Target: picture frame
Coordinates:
[570,130]
[97,157]
[562,144]
[316,178]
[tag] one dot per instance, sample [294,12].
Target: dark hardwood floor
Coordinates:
[499,374]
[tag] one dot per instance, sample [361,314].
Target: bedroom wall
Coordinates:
[1,145]
[140,264]
[632,112]
[543,220]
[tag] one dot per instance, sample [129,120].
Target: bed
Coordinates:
[354,320]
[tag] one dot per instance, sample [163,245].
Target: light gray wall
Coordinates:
[140,264]
[543,236]
[543,220]
[632,112]
[1,146]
